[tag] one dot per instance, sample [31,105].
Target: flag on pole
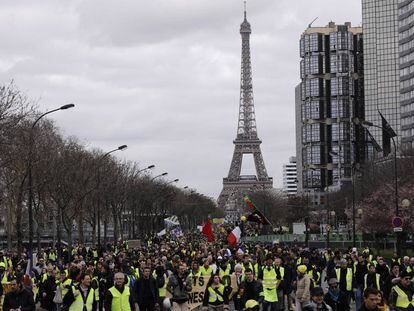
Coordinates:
[249,202]
[208,231]
[171,221]
[258,217]
[387,134]
[234,237]
[162,232]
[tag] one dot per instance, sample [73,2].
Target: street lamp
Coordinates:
[366,124]
[121,148]
[30,176]
[161,175]
[172,181]
[147,168]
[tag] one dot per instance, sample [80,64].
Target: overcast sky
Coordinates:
[163,76]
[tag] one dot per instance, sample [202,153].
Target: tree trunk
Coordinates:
[105,233]
[115,220]
[19,208]
[81,237]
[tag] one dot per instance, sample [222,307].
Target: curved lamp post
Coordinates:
[30,176]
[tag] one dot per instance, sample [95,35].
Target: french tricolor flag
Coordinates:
[234,237]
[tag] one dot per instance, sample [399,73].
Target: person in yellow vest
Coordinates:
[119,297]
[65,284]
[161,278]
[345,277]
[4,275]
[195,269]
[205,269]
[372,279]
[82,296]
[224,269]
[216,296]
[280,273]
[52,255]
[402,294]
[7,262]
[268,276]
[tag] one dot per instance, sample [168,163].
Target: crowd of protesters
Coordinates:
[160,274]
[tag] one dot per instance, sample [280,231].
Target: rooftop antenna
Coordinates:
[245,5]
[310,25]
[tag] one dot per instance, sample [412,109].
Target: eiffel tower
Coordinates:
[247,141]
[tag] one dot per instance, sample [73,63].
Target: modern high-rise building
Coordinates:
[406,52]
[331,96]
[290,177]
[381,68]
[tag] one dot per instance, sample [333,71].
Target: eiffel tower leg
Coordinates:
[259,163]
[236,162]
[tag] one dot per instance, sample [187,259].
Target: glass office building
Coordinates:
[381,64]
[406,49]
[332,94]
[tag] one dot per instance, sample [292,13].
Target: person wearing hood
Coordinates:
[317,303]
[303,284]
[336,298]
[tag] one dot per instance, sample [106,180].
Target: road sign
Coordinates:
[399,229]
[397,222]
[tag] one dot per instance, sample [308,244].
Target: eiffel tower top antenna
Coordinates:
[245,10]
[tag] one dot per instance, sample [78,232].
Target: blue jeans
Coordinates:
[358,298]
[273,306]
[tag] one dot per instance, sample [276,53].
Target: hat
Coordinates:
[403,274]
[317,291]
[302,268]
[250,304]
[332,281]
[219,258]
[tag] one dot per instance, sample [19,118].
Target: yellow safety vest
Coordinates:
[206,272]
[5,278]
[65,286]
[377,279]
[79,303]
[269,284]
[402,299]
[95,278]
[348,278]
[198,274]
[225,272]
[52,256]
[163,290]
[214,296]
[120,301]
[95,254]
[318,276]
[136,273]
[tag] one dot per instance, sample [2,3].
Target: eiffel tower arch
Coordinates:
[247,140]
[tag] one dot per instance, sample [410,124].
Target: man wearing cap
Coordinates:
[345,276]
[317,302]
[402,294]
[252,305]
[269,279]
[336,298]
[303,284]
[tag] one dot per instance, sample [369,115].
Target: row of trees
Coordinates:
[75,188]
